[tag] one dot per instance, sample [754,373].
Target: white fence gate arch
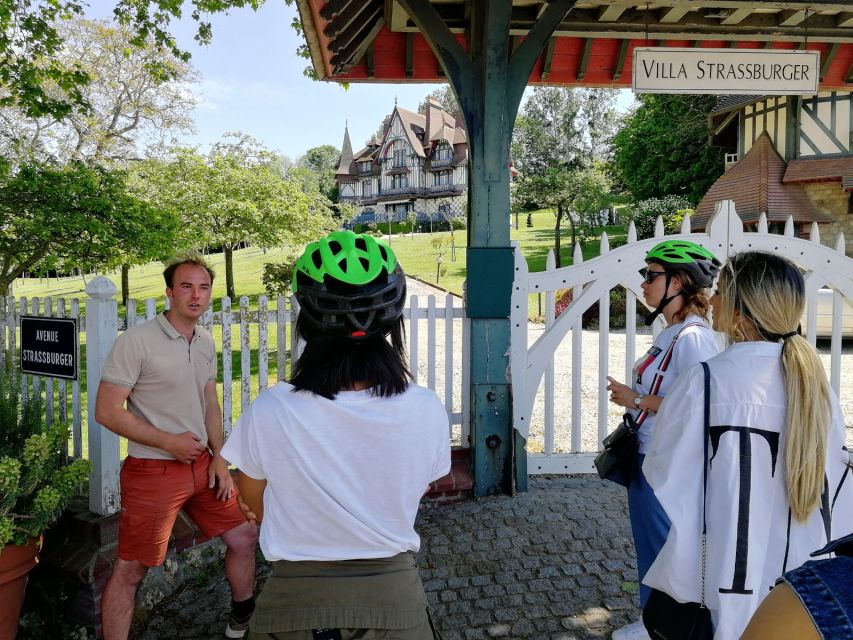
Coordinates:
[592,282]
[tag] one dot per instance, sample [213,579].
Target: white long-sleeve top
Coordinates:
[752,537]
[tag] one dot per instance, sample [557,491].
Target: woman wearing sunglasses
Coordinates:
[675,285]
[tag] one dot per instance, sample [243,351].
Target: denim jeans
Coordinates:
[825,587]
[649,524]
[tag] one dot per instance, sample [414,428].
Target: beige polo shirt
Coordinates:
[166,376]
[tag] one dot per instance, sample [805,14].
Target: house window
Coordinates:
[366,189]
[443,178]
[399,157]
[400,211]
[364,167]
[443,152]
[399,181]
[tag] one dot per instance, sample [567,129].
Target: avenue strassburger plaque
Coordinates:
[49,346]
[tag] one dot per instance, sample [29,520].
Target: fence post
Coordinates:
[101,330]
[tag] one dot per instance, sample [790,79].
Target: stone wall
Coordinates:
[831,198]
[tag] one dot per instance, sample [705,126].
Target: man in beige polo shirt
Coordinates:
[164,371]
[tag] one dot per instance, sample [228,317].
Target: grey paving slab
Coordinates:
[555,563]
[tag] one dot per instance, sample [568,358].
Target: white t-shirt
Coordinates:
[344,476]
[752,539]
[695,344]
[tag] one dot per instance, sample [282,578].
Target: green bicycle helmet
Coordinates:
[682,255]
[350,285]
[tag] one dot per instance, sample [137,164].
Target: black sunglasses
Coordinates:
[649,275]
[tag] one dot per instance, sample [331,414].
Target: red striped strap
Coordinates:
[658,379]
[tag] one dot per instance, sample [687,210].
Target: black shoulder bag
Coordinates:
[618,456]
[664,617]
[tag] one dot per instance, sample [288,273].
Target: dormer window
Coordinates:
[364,167]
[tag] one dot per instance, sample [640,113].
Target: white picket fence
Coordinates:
[559,399]
[437,340]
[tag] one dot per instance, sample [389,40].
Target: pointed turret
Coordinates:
[346,160]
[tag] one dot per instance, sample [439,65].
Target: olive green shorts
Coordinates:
[425,631]
[363,599]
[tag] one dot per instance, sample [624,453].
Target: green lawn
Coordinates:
[417,254]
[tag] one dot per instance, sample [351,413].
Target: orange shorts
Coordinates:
[152,494]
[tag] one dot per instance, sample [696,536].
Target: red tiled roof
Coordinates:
[821,170]
[755,184]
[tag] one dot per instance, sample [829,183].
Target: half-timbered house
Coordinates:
[794,156]
[419,164]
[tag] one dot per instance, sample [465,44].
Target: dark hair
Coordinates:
[329,364]
[192,258]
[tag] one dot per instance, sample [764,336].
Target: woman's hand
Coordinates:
[621,394]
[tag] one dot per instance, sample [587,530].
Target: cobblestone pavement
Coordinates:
[554,563]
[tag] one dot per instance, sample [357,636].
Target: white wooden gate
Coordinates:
[564,431]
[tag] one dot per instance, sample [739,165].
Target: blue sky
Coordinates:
[252,82]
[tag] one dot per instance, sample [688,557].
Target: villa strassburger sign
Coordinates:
[725,71]
[49,346]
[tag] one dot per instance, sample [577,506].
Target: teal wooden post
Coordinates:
[489,85]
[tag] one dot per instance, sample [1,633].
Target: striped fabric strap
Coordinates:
[658,379]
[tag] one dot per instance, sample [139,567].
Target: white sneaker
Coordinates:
[633,631]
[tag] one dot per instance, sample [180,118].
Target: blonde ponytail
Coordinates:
[762,296]
[808,419]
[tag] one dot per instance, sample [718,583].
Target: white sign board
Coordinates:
[725,71]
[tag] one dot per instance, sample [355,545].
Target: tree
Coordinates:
[73,216]
[575,195]
[135,97]
[445,96]
[323,161]
[662,149]
[559,137]
[31,43]
[236,194]
[564,128]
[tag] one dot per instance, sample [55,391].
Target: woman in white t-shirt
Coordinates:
[333,464]
[675,285]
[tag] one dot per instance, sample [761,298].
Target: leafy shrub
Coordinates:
[278,276]
[36,481]
[460,222]
[590,317]
[672,210]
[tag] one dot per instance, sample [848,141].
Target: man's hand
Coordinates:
[186,447]
[218,474]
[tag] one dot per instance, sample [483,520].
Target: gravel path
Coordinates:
[591,374]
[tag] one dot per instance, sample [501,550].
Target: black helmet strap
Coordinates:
[650,318]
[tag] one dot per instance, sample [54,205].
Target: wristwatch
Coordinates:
[638,400]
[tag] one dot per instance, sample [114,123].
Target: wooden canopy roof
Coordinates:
[376,41]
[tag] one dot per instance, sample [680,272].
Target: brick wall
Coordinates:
[831,198]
